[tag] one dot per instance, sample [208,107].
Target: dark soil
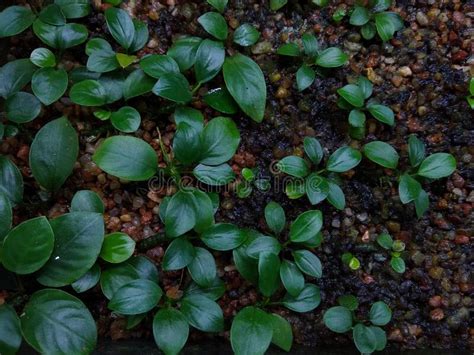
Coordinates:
[422,74]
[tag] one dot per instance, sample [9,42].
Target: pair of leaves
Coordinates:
[60,36]
[132,35]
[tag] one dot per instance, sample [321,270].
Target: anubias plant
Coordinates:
[435,166]
[312,56]
[374,19]
[353,97]
[55,253]
[250,180]
[396,247]
[367,334]
[321,184]
[263,260]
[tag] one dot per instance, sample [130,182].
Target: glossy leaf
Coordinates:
[360,16]
[382,153]
[364,338]
[305,77]
[74,8]
[289,49]
[22,107]
[331,58]
[214,175]
[120,26]
[88,93]
[251,331]
[382,113]
[202,313]
[87,281]
[126,119]
[317,188]
[294,166]
[223,237]
[380,313]
[313,149]
[353,94]
[117,276]
[170,330]
[117,247]
[268,271]
[87,201]
[282,332]
[179,254]
[221,100]
[416,150]
[209,60]
[136,297]
[183,51]
[219,5]
[14,20]
[263,244]
[174,87]
[15,75]
[158,65]
[385,241]
[310,44]
[246,35]
[275,217]
[10,333]
[102,62]
[49,84]
[408,188]
[214,24]
[291,277]
[422,203]
[306,226]
[220,140]
[308,263]
[43,58]
[387,23]
[6,216]
[348,301]
[11,180]
[343,159]
[437,166]
[203,267]
[137,84]
[52,15]
[338,319]
[308,299]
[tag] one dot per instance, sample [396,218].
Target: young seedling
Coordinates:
[353,97]
[435,166]
[367,334]
[321,184]
[396,248]
[375,20]
[312,56]
[350,261]
[244,188]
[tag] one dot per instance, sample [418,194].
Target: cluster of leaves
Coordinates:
[353,97]
[313,56]
[396,248]
[245,187]
[278,4]
[435,166]
[367,338]
[373,19]
[321,184]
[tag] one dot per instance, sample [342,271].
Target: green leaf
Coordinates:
[246,266]
[310,44]
[137,84]
[305,77]
[219,5]
[360,16]
[43,58]
[179,254]
[98,44]
[220,140]
[6,216]
[353,94]
[268,270]
[368,31]
[144,268]
[306,226]
[336,196]
[180,216]
[52,15]
[135,297]
[183,51]
[128,158]
[331,58]
[51,164]
[49,84]
[291,277]
[263,244]
[385,241]
[78,240]
[308,263]
[289,50]
[190,116]
[364,338]
[88,280]
[282,332]
[11,181]
[437,166]
[158,65]
[246,35]
[382,113]
[214,24]
[416,150]
[343,159]
[215,291]
[22,107]
[380,313]
[126,119]
[10,333]
[209,60]
[141,35]
[245,81]
[348,301]
[422,203]
[275,217]
[74,8]
[88,93]
[28,246]
[380,337]
[294,166]
[121,26]
[295,189]
[187,143]
[170,330]
[382,153]
[87,201]
[381,5]
[317,188]
[365,85]
[102,62]
[202,313]
[117,276]
[203,267]
[15,75]
[408,189]
[251,331]
[357,118]
[308,299]
[70,35]
[387,23]
[397,264]
[173,87]
[117,247]
[221,100]
[53,310]
[14,20]
[223,237]
[338,319]
[214,175]
[313,149]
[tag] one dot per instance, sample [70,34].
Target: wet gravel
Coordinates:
[422,74]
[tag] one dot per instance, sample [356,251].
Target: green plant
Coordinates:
[353,97]
[435,166]
[321,184]
[374,19]
[312,56]
[396,248]
[244,188]
[367,334]
[350,261]
[470,97]
[278,4]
